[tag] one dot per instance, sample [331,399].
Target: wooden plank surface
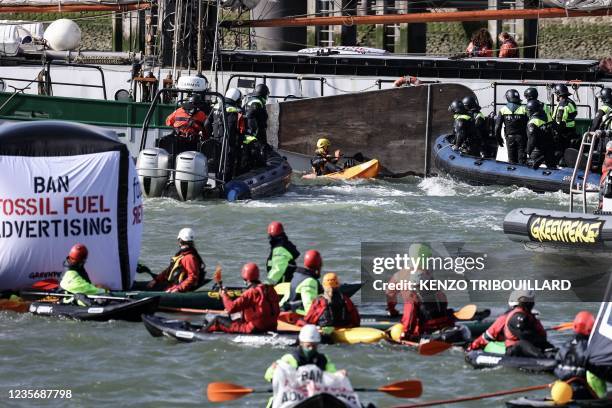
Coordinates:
[388,125]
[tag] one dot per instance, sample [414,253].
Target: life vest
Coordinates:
[188,125]
[433,312]
[317,359]
[336,313]
[569,112]
[301,274]
[288,246]
[80,270]
[176,274]
[512,338]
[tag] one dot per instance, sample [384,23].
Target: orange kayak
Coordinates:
[368,169]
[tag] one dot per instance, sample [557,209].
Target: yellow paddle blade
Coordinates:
[357,335]
[564,326]
[403,389]
[220,391]
[287,327]
[217,277]
[467,312]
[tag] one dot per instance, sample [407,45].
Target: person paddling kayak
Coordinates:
[258,305]
[305,285]
[186,270]
[332,309]
[281,261]
[521,331]
[572,359]
[323,162]
[75,279]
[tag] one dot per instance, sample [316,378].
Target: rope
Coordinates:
[344,91]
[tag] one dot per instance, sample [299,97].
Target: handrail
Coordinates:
[588,139]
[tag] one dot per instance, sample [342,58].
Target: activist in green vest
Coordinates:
[564,117]
[281,261]
[305,285]
[75,279]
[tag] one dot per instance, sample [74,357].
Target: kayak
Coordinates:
[200,299]
[188,332]
[476,327]
[324,400]
[483,359]
[544,402]
[365,170]
[358,335]
[368,169]
[130,310]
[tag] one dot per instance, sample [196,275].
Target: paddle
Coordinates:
[47,284]
[188,310]
[467,312]
[32,293]
[562,327]
[429,348]
[477,397]
[222,391]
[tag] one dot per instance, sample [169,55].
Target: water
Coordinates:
[120,364]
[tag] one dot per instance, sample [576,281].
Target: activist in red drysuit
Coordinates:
[426,313]
[187,123]
[332,308]
[258,305]
[186,267]
[521,331]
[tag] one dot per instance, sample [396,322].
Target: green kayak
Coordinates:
[204,298]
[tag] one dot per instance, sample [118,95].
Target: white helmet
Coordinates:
[521,295]
[310,334]
[185,235]
[234,94]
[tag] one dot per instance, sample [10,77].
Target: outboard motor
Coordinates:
[152,165]
[191,175]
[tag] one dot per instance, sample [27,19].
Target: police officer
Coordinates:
[513,117]
[235,123]
[488,146]
[256,114]
[539,137]
[532,94]
[602,120]
[464,129]
[564,117]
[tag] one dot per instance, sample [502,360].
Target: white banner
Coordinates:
[294,385]
[48,204]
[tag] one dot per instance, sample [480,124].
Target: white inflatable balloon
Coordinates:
[63,35]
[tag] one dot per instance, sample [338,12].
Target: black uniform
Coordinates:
[572,360]
[540,146]
[257,118]
[465,134]
[513,117]
[214,125]
[324,163]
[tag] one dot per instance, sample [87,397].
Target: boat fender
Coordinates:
[237,190]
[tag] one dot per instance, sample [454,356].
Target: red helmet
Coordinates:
[78,254]
[583,323]
[312,260]
[275,229]
[250,272]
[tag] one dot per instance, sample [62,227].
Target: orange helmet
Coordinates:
[330,280]
[583,323]
[78,254]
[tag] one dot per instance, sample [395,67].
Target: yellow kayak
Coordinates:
[368,169]
[353,335]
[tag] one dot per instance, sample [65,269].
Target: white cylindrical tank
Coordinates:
[152,165]
[191,175]
[63,35]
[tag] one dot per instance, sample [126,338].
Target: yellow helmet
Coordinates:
[323,143]
[330,280]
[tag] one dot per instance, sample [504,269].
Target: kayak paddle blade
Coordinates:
[47,284]
[433,347]
[404,389]
[467,312]
[221,392]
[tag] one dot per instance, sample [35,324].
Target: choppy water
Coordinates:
[120,364]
